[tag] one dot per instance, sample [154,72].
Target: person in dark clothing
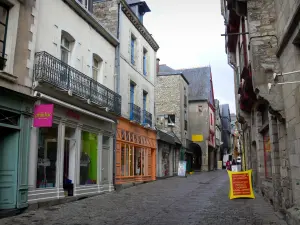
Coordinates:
[68,186]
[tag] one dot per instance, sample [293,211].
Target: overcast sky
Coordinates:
[189,35]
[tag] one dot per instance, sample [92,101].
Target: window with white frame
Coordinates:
[95,68]
[145,61]
[64,49]
[132,49]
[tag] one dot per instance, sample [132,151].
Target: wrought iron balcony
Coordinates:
[147,118]
[53,71]
[135,113]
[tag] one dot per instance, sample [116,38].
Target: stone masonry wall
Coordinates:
[263,45]
[167,99]
[106,11]
[290,133]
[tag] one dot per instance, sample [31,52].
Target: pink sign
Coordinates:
[43,115]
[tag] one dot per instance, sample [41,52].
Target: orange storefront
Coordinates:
[135,153]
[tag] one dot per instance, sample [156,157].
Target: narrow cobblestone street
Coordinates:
[199,199]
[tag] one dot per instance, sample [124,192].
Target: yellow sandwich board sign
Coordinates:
[240,184]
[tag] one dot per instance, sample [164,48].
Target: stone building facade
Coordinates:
[171,105]
[268,43]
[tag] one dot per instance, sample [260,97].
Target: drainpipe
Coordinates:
[117,90]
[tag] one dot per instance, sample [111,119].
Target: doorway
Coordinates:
[69,161]
[9,149]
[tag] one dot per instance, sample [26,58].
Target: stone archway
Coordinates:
[197,156]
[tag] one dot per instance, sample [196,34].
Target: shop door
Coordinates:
[9,146]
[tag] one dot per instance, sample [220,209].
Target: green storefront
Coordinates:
[15,125]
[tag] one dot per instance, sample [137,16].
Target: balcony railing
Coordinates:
[135,113]
[147,118]
[59,74]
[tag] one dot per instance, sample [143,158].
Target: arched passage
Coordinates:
[197,156]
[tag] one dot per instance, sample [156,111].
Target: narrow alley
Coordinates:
[198,199]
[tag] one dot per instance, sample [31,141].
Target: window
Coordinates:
[185,125]
[132,52]
[131,100]
[97,63]
[134,161]
[3,32]
[200,108]
[267,155]
[144,106]
[144,61]
[47,157]
[64,50]
[88,158]
[171,119]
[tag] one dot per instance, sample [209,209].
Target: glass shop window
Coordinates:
[47,157]
[88,158]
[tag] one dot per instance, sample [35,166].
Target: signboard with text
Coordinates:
[240,184]
[182,169]
[43,115]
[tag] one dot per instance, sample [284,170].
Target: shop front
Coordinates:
[15,123]
[71,157]
[165,157]
[135,153]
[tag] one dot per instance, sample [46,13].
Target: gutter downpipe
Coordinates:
[118,91]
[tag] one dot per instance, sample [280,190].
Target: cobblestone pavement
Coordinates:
[200,199]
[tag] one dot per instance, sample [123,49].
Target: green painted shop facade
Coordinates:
[15,126]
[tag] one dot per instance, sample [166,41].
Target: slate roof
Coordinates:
[199,79]
[164,70]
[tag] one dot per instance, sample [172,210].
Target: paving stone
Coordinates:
[173,201]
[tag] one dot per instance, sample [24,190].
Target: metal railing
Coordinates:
[147,118]
[53,71]
[135,113]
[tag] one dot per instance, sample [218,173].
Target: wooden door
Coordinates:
[9,147]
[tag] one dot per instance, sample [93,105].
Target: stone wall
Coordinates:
[106,11]
[263,45]
[167,99]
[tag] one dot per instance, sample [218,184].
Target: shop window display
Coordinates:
[133,161]
[88,158]
[47,157]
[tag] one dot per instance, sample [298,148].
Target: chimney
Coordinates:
[157,65]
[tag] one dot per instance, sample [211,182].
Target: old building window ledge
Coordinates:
[8,76]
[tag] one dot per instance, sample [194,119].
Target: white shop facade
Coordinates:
[75,153]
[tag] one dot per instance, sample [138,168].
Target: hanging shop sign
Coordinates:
[43,115]
[240,184]
[182,168]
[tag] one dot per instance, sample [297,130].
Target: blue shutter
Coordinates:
[132,50]
[144,65]
[144,106]
[131,100]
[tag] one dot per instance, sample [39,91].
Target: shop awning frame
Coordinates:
[67,105]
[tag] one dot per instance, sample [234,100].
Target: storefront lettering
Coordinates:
[43,115]
[73,114]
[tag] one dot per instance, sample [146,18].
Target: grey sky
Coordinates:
[189,35]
